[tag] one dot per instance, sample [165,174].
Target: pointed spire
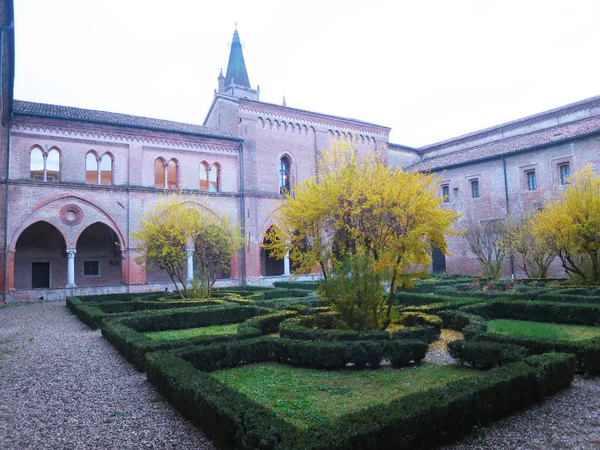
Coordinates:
[284,103]
[236,68]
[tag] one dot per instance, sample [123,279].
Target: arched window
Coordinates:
[44,166]
[106,169]
[91,168]
[159,173]
[284,175]
[204,177]
[36,164]
[53,166]
[172,174]
[213,178]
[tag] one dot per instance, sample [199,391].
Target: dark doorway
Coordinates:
[40,275]
[438,260]
[271,266]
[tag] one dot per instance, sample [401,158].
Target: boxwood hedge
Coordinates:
[420,420]
[94,313]
[485,355]
[126,334]
[313,328]
[538,311]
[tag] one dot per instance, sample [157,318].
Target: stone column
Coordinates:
[71,268]
[286,264]
[190,266]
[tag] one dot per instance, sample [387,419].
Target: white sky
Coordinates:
[431,70]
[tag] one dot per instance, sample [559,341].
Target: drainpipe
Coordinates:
[512,261]
[6,200]
[3,30]
[242,213]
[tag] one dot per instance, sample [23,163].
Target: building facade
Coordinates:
[76,183]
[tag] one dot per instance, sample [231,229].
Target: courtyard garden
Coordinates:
[346,363]
[266,369]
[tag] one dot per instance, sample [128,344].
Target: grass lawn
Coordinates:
[308,397]
[542,330]
[230,328]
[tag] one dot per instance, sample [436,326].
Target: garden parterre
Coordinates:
[179,373]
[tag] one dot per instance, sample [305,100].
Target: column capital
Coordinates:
[190,251]
[71,252]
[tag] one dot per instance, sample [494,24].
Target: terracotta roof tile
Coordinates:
[592,102]
[531,141]
[110,118]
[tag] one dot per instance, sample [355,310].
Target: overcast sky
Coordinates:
[430,70]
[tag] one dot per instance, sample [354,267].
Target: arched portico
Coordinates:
[39,258]
[98,260]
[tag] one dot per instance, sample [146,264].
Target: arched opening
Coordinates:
[270,266]
[53,166]
[438,260]
[159,173]
[98,257]
[213,178]
[40,260]
[284,175]
[91,168]
[106,169]
[203,177]
[172,174]
[36,164]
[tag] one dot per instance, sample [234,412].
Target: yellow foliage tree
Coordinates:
[392,217]
[173,225]
[533,257]
[570,226]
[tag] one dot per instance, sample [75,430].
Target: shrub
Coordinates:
[126,334]
[436,308]
[459,320]
[485,355]
[314,354]
[587,353]
[420,420]
[308,285]
[354,290]
[538,311]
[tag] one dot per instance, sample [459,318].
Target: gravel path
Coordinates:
[64,386]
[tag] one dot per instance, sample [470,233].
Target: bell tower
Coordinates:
[236,82]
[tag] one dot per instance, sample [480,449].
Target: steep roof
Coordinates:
[236,68]
[592,102]
[110,118]
[520,143]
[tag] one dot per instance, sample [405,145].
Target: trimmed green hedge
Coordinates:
[538,311]
[93,313]
[308,285]
[587,353]
[121,297]
[459,320]
[436,308]
[485,355]
[313,354]
[420,420]
[321,327]
[126,334]
[557,296]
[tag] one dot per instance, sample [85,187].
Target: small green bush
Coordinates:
[485,355]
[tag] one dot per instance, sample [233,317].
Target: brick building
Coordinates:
[75,182]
